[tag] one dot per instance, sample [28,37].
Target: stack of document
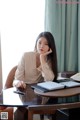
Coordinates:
[49,85]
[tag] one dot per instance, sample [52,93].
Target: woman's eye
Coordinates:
[46,44]
[39,42]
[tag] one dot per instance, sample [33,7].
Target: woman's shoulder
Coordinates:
[31,53]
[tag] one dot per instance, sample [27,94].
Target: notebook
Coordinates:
[70,84]
[49,85]
[40,89]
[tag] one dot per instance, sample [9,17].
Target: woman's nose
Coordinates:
[42,45]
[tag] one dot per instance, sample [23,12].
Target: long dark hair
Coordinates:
[53,56]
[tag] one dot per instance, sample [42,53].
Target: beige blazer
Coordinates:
[29,73]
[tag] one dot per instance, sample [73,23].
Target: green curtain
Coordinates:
[63,21]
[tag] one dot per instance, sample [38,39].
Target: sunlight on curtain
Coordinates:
[63,20]
[21,22]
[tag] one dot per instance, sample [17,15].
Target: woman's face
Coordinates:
[42,45]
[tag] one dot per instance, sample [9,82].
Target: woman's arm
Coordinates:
[19,74]
[47,72]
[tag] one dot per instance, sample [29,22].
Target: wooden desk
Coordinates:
[67,99]
[9,98]
[32,100]
[33,97]
[60,93]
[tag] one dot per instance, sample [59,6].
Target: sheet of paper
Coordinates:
[76,77]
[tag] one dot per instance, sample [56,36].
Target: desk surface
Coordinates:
[9,98]
[60,93]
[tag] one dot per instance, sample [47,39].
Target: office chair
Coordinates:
[10,78]
[8,84]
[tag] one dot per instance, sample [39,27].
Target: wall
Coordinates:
[19,29]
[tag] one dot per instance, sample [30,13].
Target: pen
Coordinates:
[19,92]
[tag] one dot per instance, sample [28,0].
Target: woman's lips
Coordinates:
[41,50]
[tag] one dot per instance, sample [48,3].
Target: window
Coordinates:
[21,22]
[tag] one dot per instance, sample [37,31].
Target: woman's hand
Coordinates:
[47,53]
[21,84]
[44,56]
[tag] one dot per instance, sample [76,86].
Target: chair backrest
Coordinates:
[10,78]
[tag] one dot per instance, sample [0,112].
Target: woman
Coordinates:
[41,64]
